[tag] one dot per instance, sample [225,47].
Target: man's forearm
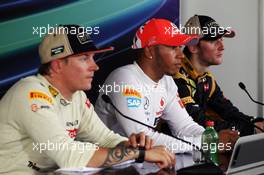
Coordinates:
[105,157]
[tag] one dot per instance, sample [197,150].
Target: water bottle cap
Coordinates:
[209,123]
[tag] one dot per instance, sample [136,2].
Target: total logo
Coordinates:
[133,102]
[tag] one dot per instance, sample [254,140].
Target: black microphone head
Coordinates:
[241,85]
[106,98]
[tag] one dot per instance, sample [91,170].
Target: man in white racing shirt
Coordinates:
[146,92]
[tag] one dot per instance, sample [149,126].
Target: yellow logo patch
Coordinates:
[39,95]
[187,100]
[131,92]
[53,91]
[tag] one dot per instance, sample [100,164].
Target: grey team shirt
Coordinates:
[41,130]
[142,99]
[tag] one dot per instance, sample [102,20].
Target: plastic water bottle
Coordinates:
[210,143]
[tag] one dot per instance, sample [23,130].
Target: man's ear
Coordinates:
[148,52]
[56,65]
[193,49]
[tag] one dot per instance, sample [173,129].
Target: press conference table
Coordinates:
[182,160]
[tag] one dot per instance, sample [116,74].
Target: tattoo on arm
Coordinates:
[119,153]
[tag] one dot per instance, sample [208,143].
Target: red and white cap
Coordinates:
[161,31]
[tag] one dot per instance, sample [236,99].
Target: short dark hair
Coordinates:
[138,52]
[187,52]
[44,69]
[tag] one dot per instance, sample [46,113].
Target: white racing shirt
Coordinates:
[144,100]
[41,130]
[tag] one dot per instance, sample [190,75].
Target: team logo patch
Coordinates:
[146,104]
[72,132]
[35,107]
[162,103]
[83,38]
[133,97]
[64,102]
[187,100]
[74,123]
[39,95]
[133,102]
[56,50]
[132,93]
[88,103]
[53,91]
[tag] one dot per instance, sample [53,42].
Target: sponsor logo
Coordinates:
[40,95]
[53,91]
[131,92]
[133,97]
[74,123]
[187,100]
[162,103]
[57,50]
[64,102]
[146,104]
[133,102]
[88,103]
[33,166]
[35,107]
[83,38]
[72,132]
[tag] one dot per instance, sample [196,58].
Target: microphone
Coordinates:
[243,87]
[107,99]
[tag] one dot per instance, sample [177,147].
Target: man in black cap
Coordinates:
[197,87]
[46,121]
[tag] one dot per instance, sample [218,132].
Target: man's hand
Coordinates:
[228,138]
[161,156]
[140,140]
[261,125]
[129,150]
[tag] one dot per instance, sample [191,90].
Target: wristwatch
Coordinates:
[141,155]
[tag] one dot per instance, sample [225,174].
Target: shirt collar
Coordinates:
[145,76]
[53,90]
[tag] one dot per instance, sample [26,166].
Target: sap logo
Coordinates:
[133,102]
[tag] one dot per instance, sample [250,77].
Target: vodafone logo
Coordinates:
[162,103]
